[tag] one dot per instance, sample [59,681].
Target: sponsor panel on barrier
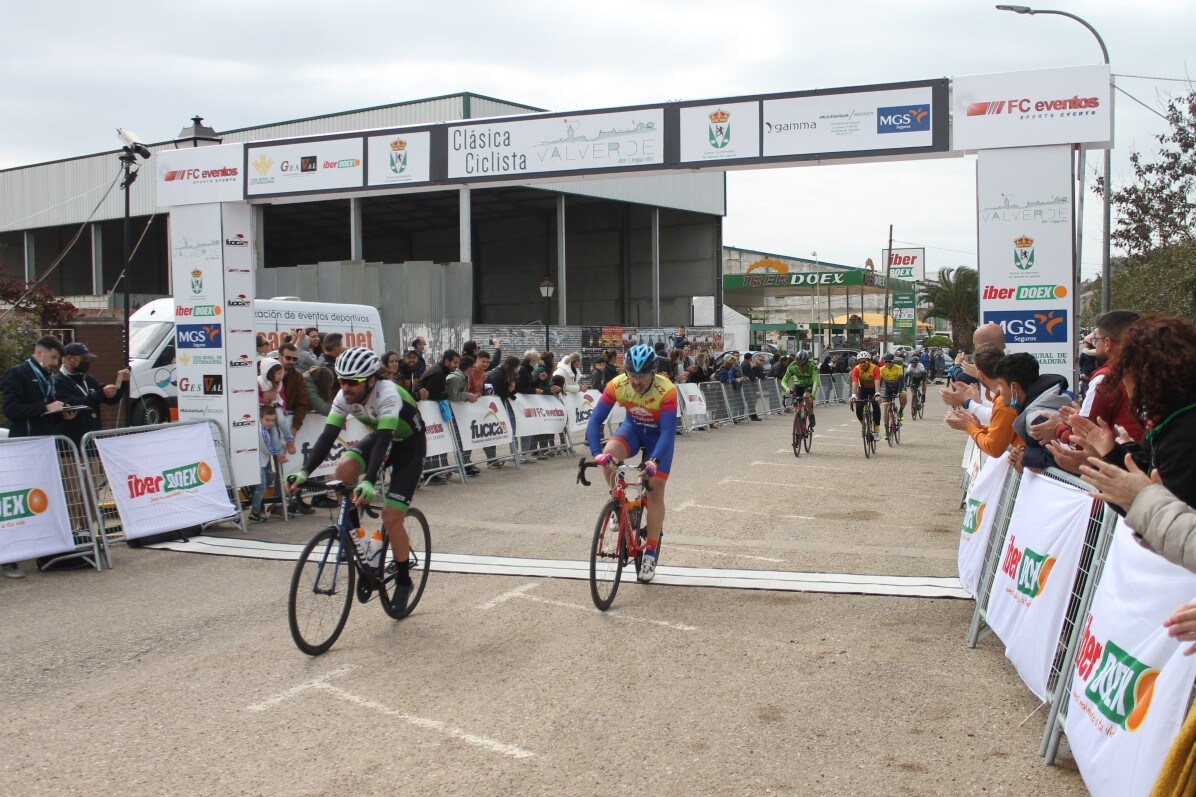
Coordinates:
[436,430]
[535,414]
[1032,586]
[1026,225]
[166,479]
[979,511]
[691,395]
[33,515]
[305,438]
[580,406]
[482,423]
[1130,687]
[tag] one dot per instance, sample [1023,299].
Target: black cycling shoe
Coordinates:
[400,592]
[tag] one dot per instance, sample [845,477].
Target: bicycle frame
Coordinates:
[347,519]
[619,493]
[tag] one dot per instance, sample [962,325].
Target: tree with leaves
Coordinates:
[48,310]
[956,300]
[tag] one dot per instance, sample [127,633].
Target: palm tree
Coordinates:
[956,299]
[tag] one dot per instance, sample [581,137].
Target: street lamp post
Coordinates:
[1106,195]
[130,152]
[546,289]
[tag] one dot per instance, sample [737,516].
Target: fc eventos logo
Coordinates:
[21,504]
[1030,326]
[903,119]
[198,336]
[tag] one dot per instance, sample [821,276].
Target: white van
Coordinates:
[151,344]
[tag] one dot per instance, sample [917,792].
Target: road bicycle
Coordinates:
[619,534]
[917,405]
[892,425]
[331,570]
[802,434]
[866,429]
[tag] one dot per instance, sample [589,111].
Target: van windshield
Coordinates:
[145,336]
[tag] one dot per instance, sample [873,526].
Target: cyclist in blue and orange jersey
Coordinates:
[892,379]
[864,381]
[651,427]
[801,379]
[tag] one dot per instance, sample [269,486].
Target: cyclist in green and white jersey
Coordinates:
[801,379]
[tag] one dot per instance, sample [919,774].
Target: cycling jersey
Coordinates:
[865,378]
[892,374]
[915,373]
[651,422]
[388,406]
[800,376]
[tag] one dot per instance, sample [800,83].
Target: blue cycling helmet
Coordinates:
[641,359]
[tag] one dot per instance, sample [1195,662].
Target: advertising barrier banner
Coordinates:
[483,423]
[978,516]
[1130,687]
[166,479]
[695,402]
[580,407]
[538,414]
[305,438]
[1038,566]
[33,516]
[440,439]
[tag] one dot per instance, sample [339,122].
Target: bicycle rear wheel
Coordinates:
[608,554]
[868,444]
[321,593]
[419,562]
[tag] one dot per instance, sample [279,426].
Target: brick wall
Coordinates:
[105,339]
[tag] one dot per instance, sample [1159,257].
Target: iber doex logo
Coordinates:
[186,477]
[20,504]
[1122,686]
[1025,293]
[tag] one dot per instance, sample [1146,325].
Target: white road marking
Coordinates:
[506,596]
[321,684]
[610,613]
[692,505]
[774,484]
[797,465]
[728,553]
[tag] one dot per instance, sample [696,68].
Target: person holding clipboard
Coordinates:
[74,385]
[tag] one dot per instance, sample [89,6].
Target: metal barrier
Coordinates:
[691,423]
[458,459]
[770,389]
[718,410]
[826,390]
[735,402]
[992,555]
[750,393]
[842,384]
[111,528]
[81,512]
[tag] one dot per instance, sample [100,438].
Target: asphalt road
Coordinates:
[175,673]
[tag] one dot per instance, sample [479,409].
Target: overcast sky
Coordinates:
[74,71]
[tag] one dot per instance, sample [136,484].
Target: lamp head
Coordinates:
[546,288]
[132,143]
[1016,9]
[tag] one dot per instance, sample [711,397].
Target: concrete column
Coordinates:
[656,267]
[30,262]
[355,230]
[257,233]
[465,222]
[97,260]
[560,260]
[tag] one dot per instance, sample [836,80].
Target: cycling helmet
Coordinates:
[889,357]
[357,363]
[802,357]
[864,355]
[641,359]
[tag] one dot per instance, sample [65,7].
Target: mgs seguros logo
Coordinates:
[1030,326]
[198,336]
[903,119]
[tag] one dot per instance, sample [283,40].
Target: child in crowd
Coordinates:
[269,446]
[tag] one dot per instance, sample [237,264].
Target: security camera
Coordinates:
[130,140]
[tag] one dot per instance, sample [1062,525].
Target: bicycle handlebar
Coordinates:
[346,491]
[583,464]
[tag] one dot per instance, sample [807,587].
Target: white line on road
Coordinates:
[797,465]
[294,690]
[506,596]
[692,505]
[617,615]
[774,484]
[728,553]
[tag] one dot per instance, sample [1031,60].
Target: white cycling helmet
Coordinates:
[864,355]
[357,363]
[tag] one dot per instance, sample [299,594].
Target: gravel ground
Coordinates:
[175,673]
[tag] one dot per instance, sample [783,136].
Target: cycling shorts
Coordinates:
[890,390]
[634,441]
[406,462]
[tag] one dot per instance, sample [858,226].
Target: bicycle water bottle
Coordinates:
[369,546]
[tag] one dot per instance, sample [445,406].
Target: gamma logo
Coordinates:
[1122,687]
[903,119]
[21,504]
[1028,326]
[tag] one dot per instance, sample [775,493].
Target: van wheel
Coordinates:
[148,411]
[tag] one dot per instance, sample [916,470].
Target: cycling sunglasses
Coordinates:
[351,382]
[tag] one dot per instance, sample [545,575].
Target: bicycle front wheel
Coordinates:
[890,428]
[868,443]
[799,431]
[321,592]
[419,561]
[809,438]
[608,554]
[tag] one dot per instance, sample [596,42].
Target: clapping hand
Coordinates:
[1114,485]
[1182,625]
[1042,432]
[1095,436]
[960,420]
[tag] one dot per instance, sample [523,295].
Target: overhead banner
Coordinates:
[1072,105]
[720,132]
[307,166]
[305,438]
[536,414]
[165,480]
[979,512]
[1129,691]
[400,158]
[905,264]
[1026,246]
[199,175]
[33,516]
[580,406]
[436,430]
[692,399]
[603,140]
[1039,558]
[863,121]
[482,423]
